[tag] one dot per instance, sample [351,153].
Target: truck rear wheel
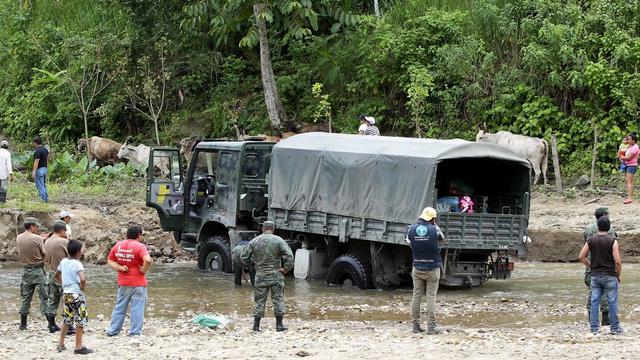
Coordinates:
[215,255]
[350,270]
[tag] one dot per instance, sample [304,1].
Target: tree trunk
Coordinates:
[376,8]
[556,164]
[86,139]
[155,123]
[272,99]
[594,157]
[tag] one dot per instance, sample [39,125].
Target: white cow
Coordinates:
[533,149]
[139,156]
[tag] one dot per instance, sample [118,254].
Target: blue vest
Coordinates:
[424,246]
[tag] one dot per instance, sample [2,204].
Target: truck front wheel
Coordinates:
[215,255]
[350,270]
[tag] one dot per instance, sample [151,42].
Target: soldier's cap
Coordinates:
[32,221]
[601,211]
[65,213]
[269,224]
[428,214]
[4,144]
[60,222]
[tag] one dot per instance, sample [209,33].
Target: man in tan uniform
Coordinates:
[31,250]
[55,250]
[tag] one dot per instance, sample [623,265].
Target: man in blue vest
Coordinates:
[425,237]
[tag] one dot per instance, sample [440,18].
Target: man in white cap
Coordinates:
[6,171]
[372,129]
[425,237]
[66,217]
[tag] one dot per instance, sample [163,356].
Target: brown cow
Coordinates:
[101,149]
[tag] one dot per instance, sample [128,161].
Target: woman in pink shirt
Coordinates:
[631,162]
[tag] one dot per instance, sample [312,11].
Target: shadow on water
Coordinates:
[536,294]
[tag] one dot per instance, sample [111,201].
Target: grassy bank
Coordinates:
[24,196]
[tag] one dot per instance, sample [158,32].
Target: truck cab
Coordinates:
[220,200]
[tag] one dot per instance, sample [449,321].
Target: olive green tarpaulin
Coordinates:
[379,177]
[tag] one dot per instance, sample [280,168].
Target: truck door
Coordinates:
[226,183]
[164,187]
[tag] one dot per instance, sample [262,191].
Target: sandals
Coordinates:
[627,201]
[60,348]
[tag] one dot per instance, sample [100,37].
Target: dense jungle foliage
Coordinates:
[430,68]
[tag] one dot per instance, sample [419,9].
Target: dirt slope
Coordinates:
[99,226]
[556,225]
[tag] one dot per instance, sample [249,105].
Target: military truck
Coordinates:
[344,203]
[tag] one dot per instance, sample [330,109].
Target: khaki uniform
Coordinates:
[55,250]
[31,251]
[267,251]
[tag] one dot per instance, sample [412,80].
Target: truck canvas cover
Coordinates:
[378,177]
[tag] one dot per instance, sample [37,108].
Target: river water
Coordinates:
[537,293]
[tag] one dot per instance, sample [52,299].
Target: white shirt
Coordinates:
[68,231]
[362,127]
[5,164]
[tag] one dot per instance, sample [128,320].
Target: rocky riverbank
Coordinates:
[179,339]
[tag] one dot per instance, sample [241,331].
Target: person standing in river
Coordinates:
[606,269]
[267,252]
[31,250]
[131,259]
[55,250]
[589,231]
[425,237]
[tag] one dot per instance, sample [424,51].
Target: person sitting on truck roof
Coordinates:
[372,129]
[424,237]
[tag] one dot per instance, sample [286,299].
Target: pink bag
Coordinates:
[466,205]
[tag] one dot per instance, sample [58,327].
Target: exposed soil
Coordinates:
[556,225]
[99,226]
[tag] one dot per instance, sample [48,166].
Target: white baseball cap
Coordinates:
[65,213]
[370,119]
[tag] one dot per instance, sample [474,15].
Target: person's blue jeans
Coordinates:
[137,297]
[600,285]
[41,183]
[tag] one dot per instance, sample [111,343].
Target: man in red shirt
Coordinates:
[131,260]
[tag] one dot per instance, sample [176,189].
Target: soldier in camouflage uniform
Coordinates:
[589,231]
[267,252]
[31,250]
[238,267]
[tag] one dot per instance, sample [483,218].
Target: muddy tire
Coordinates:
[215,255]
[350,270]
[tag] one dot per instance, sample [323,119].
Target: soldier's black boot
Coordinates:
[416,327]
[279,325]
[52,324]
[23,321]
[605,318]
[256,323]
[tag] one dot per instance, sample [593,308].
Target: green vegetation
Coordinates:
[168,69]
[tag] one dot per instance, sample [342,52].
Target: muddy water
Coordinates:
[537,294]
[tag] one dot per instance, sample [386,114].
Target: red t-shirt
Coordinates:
[129,253]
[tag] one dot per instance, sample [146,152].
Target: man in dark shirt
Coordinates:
[606,268]
[425,237]
[40,157]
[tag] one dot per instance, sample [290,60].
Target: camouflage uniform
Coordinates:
[33,279]
[267,252]
[589,231]
[238,267]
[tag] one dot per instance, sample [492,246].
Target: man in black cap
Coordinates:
[606,269]
[589,231]
[31,250]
